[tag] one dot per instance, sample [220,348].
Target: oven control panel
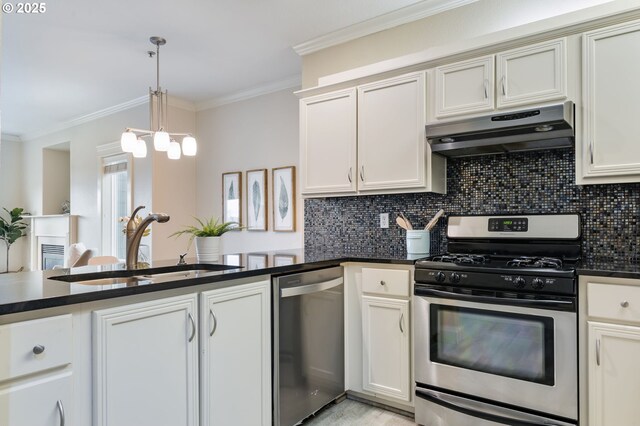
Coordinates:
[509,224]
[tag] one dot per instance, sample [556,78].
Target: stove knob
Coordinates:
[440,277]
[537,283]
[519,282]
[455,277]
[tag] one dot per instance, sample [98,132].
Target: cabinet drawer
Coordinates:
[386,282]
[616,302]
[20,342]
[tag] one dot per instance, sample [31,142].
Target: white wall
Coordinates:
[11,195]
[257,133]
[56,185]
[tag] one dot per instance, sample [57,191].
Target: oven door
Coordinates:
[521,356]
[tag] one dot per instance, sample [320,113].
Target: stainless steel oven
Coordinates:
[496,333]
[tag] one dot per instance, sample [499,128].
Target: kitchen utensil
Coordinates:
[401,223]
[409,226]
[433,221]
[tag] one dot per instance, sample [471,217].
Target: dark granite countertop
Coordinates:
[607,267]
[26,291]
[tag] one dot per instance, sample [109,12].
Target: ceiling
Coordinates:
[82,56]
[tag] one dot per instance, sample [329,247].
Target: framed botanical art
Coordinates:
[257,200]
[257,261]
[232,197]
[280,259]
[284,199]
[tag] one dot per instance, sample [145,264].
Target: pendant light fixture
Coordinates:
[132,140]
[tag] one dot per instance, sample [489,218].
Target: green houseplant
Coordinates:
[12,229]
[207,237]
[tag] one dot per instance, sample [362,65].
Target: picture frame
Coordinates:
[232,198]
[257,202]
[257,261]
[280,259]
[284,198]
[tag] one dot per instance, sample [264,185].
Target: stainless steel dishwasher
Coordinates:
[308,343]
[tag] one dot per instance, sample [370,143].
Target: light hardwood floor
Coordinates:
[354,413]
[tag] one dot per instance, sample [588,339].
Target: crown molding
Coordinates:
[10,137]
[276,86]
[396,18]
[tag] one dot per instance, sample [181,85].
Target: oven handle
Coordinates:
[441,399]
[562,305]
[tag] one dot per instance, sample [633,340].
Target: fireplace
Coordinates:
[51,255]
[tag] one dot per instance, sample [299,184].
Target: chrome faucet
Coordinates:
[134,234]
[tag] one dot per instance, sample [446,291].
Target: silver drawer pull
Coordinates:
[193,327]
[214,322]
[624,304]
[598,352]
[383,283]
[38,349]
[401,321]
[61,412]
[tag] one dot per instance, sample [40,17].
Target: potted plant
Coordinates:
[12,229]
[207,237]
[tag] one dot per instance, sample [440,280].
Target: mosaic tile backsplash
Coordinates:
[530,182]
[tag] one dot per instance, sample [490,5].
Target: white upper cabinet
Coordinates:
[369,139]
[611,65]
[531,74]
[464,87]
[328,143]
[392,150]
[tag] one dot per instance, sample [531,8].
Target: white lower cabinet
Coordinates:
[385,365]
[614,376]
[236,355]
[146,363]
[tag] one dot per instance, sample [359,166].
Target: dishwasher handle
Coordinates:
[310,288]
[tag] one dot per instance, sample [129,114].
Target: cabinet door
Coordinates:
[611,89]
[385,338]
[391,139]
[236,356]
[464,87]
[614,377]
[531,74]
[145,364]
[41,401]
[328,143]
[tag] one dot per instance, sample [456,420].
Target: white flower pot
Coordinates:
[207,249]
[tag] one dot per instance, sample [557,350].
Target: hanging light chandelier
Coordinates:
[133,140]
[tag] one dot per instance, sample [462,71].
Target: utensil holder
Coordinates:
[418,241]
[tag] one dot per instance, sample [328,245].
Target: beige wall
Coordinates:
[11,195]
[56,185]
[473,20]
[258,133]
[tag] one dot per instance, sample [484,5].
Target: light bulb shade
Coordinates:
[174,151]
[128,141]
[140,151]
[189,146]
[161,141]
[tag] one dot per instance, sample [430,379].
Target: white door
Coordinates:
[531,74]
[145,363]
[236,356]
[391,138]
[385,339]
[614,376]
[464,87]
[328,143]
[41,401]
[611,89]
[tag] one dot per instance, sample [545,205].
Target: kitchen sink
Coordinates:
[137,276]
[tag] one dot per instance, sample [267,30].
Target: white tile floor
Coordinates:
[354,413]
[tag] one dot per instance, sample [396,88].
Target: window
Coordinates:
[116,196]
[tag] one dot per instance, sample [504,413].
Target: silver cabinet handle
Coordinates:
[485,83]
[401,321]
[382,283]
[214,322]
[598,351]
[349,175]
[624,304]
[591,151]
[38,349]
[61,412]
[504,86]
[362,173]
[193,327]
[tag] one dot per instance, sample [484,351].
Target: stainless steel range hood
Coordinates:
[541,128]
